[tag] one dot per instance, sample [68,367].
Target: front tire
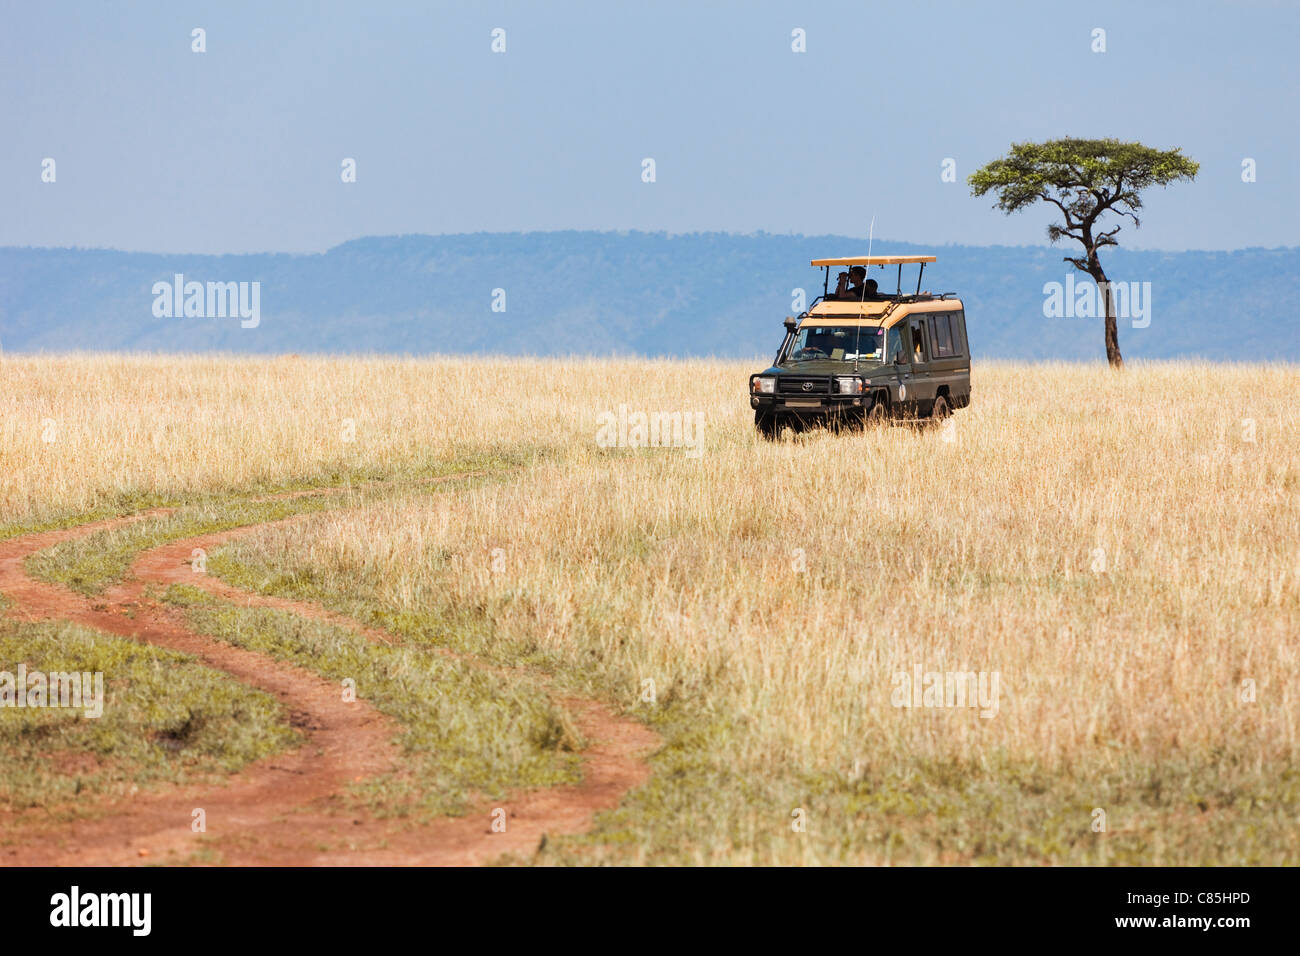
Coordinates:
[767,425]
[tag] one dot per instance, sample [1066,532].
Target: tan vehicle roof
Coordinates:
[872,261]
[868,314]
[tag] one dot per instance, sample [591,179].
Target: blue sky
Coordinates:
[239,149]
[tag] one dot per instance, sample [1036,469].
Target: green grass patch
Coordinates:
[465,630]
[118,503]
[110,507]
[467,734]
[166,718]
[91,563]
[94,562]
[703,807]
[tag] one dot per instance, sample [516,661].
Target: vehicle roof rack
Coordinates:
[872,261]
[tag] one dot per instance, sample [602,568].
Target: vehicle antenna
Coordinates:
[857,338]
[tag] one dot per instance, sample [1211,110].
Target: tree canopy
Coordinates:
[1081,177]
[1084,179]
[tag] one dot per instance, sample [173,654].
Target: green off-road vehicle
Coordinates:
[859,356]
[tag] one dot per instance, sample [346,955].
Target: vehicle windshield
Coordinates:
[837,343]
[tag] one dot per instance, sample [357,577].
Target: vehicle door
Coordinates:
[922,387]
[949,361]
[899,370]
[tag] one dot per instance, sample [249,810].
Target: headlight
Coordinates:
[764,386]
[849,385]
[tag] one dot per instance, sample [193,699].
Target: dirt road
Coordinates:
[287,809]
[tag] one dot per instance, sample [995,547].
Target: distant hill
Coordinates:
[601,293]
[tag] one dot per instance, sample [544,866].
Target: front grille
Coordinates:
[794,384]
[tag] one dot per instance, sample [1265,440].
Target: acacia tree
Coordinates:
[1084,179]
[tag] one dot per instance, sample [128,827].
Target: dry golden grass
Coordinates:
[1122,550]
[974,554]
[79,431]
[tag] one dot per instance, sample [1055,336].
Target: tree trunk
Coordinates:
[1112,326]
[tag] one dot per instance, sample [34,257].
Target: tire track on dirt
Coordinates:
[341,742]
[612,761]
[288,810]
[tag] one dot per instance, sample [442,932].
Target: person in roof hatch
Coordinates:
[856,290]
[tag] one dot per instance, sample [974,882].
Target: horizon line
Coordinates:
[623,233]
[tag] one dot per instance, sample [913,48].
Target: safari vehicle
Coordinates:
[857,357]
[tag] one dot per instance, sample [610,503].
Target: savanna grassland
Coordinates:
[1119,552]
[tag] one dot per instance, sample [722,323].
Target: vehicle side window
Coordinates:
[920,352]
[893,346]
[943,338]
[959,333]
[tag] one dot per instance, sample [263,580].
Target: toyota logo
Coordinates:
[807,386]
